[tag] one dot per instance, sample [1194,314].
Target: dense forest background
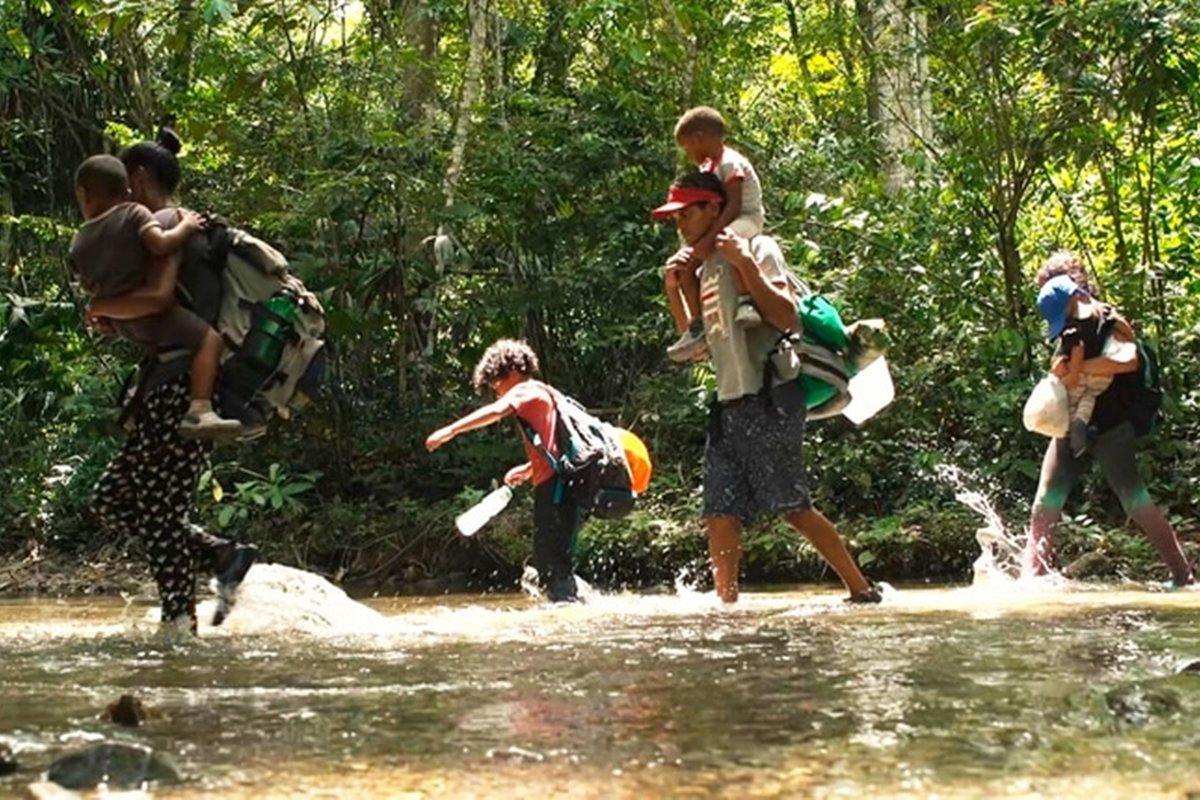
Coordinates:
[445,173]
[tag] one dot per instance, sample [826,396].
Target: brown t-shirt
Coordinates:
[108,253]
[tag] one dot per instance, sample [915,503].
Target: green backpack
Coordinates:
[1146,397]
[815,353]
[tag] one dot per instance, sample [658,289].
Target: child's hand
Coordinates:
[518,474]
[97,323]
[438,438]
[734,248]
[1059,367]
[190,219]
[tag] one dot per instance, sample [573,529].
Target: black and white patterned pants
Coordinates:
[147,491]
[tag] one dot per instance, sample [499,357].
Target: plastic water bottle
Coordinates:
[478,515]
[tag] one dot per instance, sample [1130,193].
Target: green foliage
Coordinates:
[275,497]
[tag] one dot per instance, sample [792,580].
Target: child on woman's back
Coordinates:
[112,254]
[1080,325]
[700,132]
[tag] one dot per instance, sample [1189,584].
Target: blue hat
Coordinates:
[1053,300]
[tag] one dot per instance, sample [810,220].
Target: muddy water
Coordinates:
[1009,690]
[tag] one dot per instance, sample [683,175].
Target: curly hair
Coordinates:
[1064,262]
[504,357]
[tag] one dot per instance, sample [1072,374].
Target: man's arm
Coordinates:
[156,296]
[479,418]
[773,300]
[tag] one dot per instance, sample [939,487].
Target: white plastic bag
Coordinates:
[1047,411]
[870,391]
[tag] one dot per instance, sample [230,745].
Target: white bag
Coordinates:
[870,391]
[1047,411]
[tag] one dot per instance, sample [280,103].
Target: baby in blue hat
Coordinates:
[1076,320]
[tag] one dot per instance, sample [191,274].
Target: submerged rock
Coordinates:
[8,761]
[1135,705]
[126,710]
[121,766]
[1089,565]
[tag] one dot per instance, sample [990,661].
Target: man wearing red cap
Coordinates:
[753,460]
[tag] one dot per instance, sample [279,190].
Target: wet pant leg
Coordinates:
[556,527]
[1115,452]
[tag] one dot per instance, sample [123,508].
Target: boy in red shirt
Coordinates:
[507,368]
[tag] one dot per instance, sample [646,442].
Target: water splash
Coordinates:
[689,580]
[279,599]
[999,551]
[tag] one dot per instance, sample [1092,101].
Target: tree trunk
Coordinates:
[472,81]
[185,32]
[867,35]
[900,75]
[420,34]
[554,54]
[1113,201]
[688,43]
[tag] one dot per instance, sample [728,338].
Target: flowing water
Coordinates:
[1006,689]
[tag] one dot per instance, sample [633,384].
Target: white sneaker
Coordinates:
[747,315]
[688,347]
[208,426]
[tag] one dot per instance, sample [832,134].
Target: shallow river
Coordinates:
[1013,690]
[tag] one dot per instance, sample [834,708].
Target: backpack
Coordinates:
[1146,394]
[1144,390]
[815,354]
[591,466]
[273,327]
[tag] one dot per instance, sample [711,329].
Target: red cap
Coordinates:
[683,196]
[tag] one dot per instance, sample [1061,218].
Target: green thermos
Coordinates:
[271,328]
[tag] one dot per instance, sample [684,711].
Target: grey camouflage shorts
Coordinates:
[754,462]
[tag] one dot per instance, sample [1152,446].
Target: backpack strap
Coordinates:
[539,444]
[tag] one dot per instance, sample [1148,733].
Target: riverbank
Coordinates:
[107,573]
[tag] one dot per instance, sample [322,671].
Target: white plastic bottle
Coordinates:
[475,517]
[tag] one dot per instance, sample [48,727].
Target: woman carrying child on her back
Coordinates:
[148,489]
[113,254]
[1107,435]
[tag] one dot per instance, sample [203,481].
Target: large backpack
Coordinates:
[1146,395]
[1144,392]
[590,467]
[273,327]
